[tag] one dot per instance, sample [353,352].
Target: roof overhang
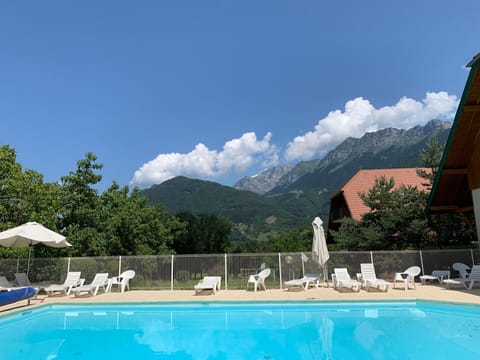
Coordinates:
[451,191]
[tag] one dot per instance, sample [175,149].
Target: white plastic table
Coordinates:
[439,275]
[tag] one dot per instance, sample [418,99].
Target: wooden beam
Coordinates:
[465,209]
[455,171]
[452,208]
[471,108]
[444,208]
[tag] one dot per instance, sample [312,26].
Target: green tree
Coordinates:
[130,226]
[24,196]
[297,240]
[80,215]
[430,158]
[446,230]
[204,234]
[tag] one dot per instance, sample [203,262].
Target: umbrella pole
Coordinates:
[29,254]
[325,274]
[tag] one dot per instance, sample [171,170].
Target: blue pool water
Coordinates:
[264,331]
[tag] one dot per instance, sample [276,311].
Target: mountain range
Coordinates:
[285,197]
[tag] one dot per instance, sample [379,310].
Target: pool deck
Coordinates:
[422,292]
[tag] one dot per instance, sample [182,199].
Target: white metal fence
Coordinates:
[179,272]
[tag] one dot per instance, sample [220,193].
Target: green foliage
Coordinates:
[80,216]
[297,240]
[203,234]
[25,197]
[118,222]
[430,157]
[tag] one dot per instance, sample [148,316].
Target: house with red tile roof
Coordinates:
[347,203]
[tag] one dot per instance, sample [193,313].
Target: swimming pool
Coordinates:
[288,330]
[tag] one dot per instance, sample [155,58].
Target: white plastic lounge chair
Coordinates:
[123,281]
[407,277]
[342,280]
[303,283]
[369,278]
[5,284]
[72,280]
[258,280]
[100,281]
[21,279]
[467,282]
[208,283]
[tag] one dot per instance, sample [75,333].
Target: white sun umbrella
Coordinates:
[319,246]
[30,234]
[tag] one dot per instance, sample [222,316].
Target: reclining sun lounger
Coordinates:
[100,281]
[72,280]
[21,279]
[342,280]
[304,282]
[369,278]
[209,283]
[469,281]
[5,284]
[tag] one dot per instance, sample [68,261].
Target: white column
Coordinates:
[476,210]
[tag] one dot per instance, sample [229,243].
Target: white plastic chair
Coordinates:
[123,281]
[407,277]
[258,280]
[462,269]
[100,281]
[370,279]
[342,279]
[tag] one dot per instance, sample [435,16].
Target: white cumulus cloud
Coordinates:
[236,155]
[360,116]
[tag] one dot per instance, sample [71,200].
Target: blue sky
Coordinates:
[218,90]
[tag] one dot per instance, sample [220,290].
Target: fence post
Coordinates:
[68,264]
[421,262]
[280,269]
[171,273]
[371,257]
[226,274]
[303,264]
[119,265]
[473,259]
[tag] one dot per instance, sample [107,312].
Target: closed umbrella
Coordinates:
[30,234]
[319,246]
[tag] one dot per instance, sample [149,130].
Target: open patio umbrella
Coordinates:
[319,246]
[29,234]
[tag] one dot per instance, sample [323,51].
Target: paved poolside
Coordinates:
[422,292]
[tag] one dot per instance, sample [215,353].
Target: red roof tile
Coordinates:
[363,180]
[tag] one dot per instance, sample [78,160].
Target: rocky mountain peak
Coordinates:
[264,181]
[371,142]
